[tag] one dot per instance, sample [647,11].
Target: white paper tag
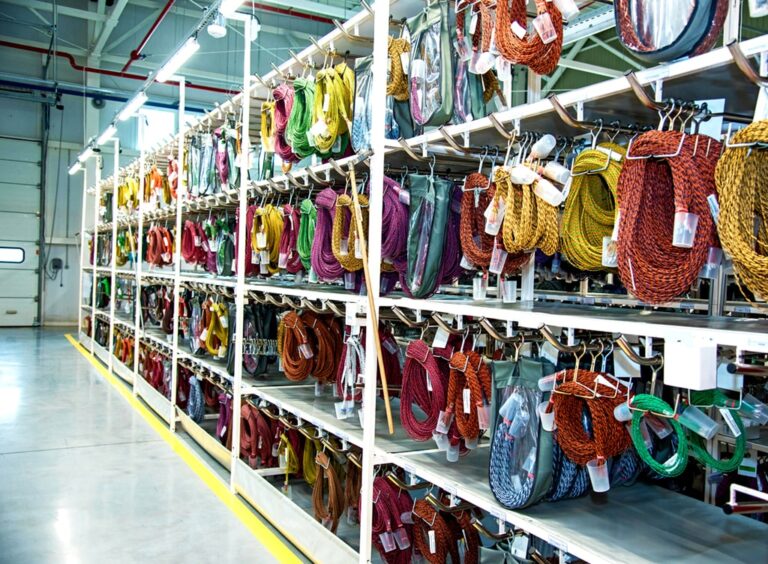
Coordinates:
[405,61]
[467,400]
[748,468]
[441,338]
[432,541]
[520,546]
[518,30]
[344,247]
[358,250]
[473,23]
[261,240]
[429,382]
[326,102]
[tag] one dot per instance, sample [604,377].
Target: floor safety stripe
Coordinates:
[278,549]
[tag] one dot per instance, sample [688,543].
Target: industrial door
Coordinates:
[19,231]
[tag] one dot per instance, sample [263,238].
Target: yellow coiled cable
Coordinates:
[285,449]
[590,209]
[269,222]
[337,84]
[529,222]
[348,261]
[268,126]
[308,466]
[398,81]
[217,328]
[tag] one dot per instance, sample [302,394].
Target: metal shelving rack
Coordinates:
[576,526]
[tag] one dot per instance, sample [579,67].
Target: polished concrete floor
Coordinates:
[84,479]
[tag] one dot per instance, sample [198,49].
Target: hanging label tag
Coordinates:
[498,259]
[467,400]
[714,207]
[444,420]
[306,351]
[255,257]
[616,225]
[358,250]
[342,410]
[465,264]
[275,450]
[429,381]
[518,30]
[405,61]
[224,320]
[660,428]
[494,215]
[349,280]
[336,145]
[312,276]
[520,546]
[483,417]
[441,339]
[318,389]
[264,256]
[473,23]
[261,240]
[748,468]
[263,269]
[326,102]
[344,247]
[222,352]
[204,334]
[401,537]
[432,541]
[545,28]
[390,345]
[405,197]
[728,418]
[198,242]
[387,542]
[282,260]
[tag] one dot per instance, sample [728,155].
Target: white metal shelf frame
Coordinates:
[378,22]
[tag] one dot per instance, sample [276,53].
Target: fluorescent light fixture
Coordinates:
[229,7]
[218,27]
[75,168]
[133,106]
[190,47]
[85,155]
[109,132]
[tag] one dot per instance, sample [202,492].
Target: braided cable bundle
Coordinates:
[426,520]
[529,50]
[397,87]
[650,192]
[590,209]
[469,375]
[390,504]
[300,119]
[529,222]
[283,95]
[306,232]
[324,262]
[345,216]
[424,385]
[296,352]
[289,255]
[609,437]
[675,465]
[743,193]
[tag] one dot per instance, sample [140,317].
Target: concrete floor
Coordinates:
[83,477]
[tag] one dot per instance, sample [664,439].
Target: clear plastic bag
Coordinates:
[660,22]
[426,98]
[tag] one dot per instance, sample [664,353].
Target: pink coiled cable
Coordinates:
[324,262]
[283,105]
[288,239]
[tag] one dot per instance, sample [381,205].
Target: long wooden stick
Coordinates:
[371,301]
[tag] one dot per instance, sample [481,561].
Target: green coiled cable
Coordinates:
[306,232]
[675,465]
[300,120]
[699,445]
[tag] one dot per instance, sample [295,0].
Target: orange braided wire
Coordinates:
[295,365]
[609,436]
[468,371]
[529,51]
[427,519]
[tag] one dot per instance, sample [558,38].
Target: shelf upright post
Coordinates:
[96,203]
[138,313]
[245,152]
[83,255]
[378,105]
[181,198]
[113,261]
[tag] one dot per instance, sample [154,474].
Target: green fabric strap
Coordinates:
[306,232]
[300,120]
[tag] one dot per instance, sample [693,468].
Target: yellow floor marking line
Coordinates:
[279,550]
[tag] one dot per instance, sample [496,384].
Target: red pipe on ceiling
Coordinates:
[92,70]
[136,53]
[289,12]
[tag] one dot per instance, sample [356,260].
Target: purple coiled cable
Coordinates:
[283,105]
[324,262]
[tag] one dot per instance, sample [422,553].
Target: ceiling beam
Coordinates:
[569,56]
[108,27]
[309,7]
[592,69]
[62,10]
[616,53]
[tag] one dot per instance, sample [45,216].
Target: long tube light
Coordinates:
[133,106]
[189,48]
[85,155]
[108,134]
[229,7]
[75,168]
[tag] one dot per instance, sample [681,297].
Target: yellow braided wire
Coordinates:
[268,220]
[348,261]
[268,126]
[216,329]
[397,87]
[285,449]
[339,84]
[590,209]
[308,466]
[280,337]
[743,195]
[529,222]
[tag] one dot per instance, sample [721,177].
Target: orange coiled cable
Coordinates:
[649,192]
[327,351]
[330,513]
[609,437]
[426,519]
[531,50]
[468,372]
[297,354]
